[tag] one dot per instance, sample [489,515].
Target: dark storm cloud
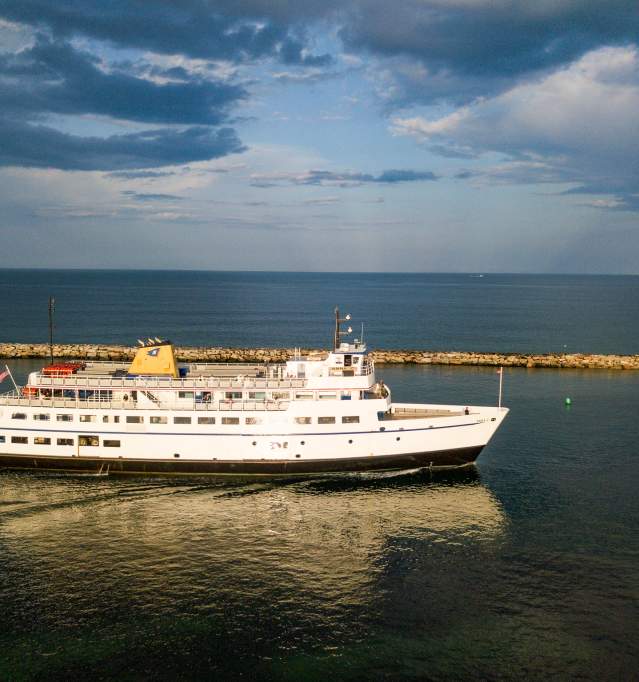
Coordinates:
[56,78]
[23,144]
[196,28]
[485,43]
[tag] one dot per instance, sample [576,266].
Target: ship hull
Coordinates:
[452,458]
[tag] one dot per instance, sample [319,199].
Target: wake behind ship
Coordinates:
[312,414]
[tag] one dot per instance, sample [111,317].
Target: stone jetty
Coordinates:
[417,357]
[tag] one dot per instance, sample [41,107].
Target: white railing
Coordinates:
[13,399]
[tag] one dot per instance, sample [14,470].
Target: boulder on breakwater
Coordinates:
[419,357]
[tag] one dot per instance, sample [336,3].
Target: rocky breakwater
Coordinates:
[125,353]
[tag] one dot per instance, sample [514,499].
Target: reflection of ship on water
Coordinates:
[320,536]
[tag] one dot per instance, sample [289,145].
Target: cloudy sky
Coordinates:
[359,135]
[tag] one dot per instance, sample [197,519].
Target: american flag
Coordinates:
[4,375]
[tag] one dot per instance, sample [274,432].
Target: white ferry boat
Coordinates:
[311,414]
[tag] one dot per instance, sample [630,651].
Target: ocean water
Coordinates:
[518,313]
[523,567]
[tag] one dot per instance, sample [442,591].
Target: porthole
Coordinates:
[176,455]
[382,428]
[254,442]
[302,442]
[298,456]
[398,438]
[350,441]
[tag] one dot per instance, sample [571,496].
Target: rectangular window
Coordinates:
[41,417]
[230,420]
[350,420]
[2,439]
[64,417]
[111,443]
[303,396]
[88,441]
[206,420]
[233,395]
[134,420]
[18,415]
[105,419]
[181,420]
[186,395]
[116,419]
[327,396]
[158,420]
[252,421]
[23,440]
[39,440]
[87,417]
[65,441]
[326,420]
[257,395]
[281,395]
[302,420]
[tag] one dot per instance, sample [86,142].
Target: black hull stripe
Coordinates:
[441,458]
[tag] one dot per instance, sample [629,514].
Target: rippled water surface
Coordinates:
[525,567]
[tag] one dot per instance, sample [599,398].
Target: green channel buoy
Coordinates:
[568,401]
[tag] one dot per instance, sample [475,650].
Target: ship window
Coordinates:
[327,396]
[111,443]
[41,417]
[348,359]
[257,395]
[350,420]
[304,396]
[134,420]
[230,420]
[185,394]
[65,441]
[87,417]
[2,439]
[105,419]
[158,420]
[88,441]
[64,417]
[116,419]
[281,395]
[19,439]
[326,420]
[39,440]
[302,420]
[233,395]
[252,420]
[181,420]
[18,415]
[206,420]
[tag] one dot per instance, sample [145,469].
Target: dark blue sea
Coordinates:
[525,567]
[519,313]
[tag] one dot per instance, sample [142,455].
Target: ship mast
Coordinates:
[338,334]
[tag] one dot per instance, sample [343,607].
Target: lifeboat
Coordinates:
[62,369]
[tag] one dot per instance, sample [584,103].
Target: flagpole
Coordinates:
[12,379]
[501,378]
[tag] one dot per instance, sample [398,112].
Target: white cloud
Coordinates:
[578,124]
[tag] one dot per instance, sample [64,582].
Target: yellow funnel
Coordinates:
[156,359]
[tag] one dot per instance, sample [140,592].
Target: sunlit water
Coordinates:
[526,567]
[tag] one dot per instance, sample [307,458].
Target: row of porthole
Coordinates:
[303,442]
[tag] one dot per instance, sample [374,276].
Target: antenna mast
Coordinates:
[51,311]
[338,334]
